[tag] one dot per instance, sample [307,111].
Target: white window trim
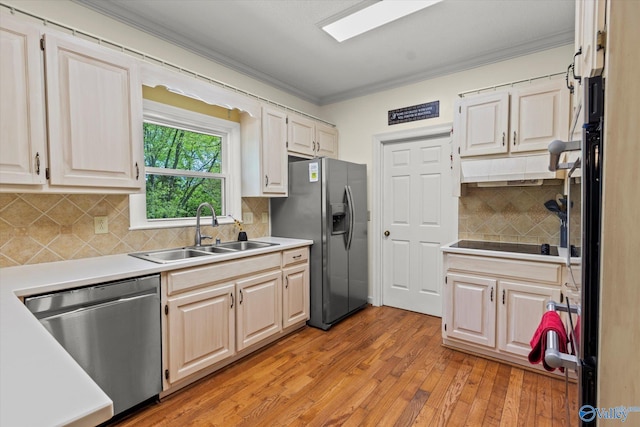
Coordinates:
[173,116]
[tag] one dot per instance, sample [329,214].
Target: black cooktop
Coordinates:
[520,248]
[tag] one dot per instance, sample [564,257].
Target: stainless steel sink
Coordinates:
[164,256]
[217,249]
[245,245]
[171,255]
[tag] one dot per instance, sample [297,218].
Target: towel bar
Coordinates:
[552,355]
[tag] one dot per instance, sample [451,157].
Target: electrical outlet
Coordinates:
[265,217]
[247,218]
[101,224]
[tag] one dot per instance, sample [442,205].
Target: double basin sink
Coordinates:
[164,256]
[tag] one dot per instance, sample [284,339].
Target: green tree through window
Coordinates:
[183,170]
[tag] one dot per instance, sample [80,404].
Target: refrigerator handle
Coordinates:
[347,189]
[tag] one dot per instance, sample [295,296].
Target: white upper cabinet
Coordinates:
[590,37]
[23,156]
[539,114]
[94,105]
[301,134]
[484,124]
[308,138]
[513,121]
[90,138]
[274,154]
[264,154]
[326,141]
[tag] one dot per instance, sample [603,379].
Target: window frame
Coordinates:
[168,115]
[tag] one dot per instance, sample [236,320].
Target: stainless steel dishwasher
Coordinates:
[113,331]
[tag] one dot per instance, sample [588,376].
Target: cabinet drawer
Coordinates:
[195,277]
[294,256]
[539,272]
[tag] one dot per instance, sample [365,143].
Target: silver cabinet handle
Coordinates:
[503,135]
[387,233]
[241,297]
[37,163]
[266,180]
[137,171]
[286,285]
[314,146]
[514,137]
[231,294]
[492,294]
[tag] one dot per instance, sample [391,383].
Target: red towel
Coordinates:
[550,322]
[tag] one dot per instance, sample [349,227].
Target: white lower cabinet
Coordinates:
[218,313]
[201,330]
[494,306]
[520,309]
[295,295]
[259,309]
[471,309]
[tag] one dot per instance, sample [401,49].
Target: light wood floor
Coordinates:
[380,367]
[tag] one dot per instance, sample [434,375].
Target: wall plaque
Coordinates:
[415,112]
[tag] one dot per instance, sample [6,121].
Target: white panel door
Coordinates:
[418,215]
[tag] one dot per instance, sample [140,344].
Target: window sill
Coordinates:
[173,223]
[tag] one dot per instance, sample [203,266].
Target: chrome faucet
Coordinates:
[214,222]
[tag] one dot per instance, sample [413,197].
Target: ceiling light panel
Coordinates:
[374,16]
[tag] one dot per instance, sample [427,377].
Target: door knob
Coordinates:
[386,233]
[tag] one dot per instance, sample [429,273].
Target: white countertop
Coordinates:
[41,385]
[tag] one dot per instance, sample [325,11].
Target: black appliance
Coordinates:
[592,158]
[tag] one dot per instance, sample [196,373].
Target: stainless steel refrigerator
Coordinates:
[327,203]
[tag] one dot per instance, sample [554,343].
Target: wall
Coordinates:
[37,228]
[79,17]
[515,214]
[359,119]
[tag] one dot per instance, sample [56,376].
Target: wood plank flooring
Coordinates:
[380,367]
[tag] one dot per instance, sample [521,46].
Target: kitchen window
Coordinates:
[190,158]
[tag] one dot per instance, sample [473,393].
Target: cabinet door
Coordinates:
[484,121]
[592,24]
[520,309]
[295,296]
[201,329]
[259,309]
[22,134]
[326,141]
[539,114]
[300,136]
[274,153]
[94,106]
[471,314]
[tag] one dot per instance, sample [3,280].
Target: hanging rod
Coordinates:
[547,76]
[151,59]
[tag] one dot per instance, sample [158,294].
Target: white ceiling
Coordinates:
[280,41]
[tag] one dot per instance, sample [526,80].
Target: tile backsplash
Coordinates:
[36,228]
[515,214]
